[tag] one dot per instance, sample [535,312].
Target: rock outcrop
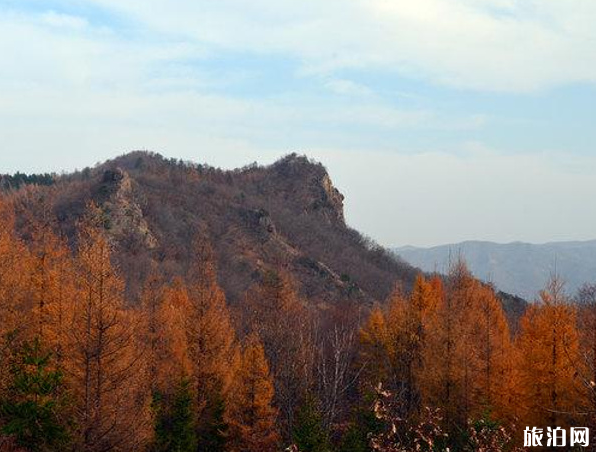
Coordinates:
[124,217]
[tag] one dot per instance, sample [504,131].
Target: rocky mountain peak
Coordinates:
[309,182]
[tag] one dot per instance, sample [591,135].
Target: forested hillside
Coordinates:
[287,215]
[153,305]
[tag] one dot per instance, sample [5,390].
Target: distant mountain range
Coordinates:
[517,268]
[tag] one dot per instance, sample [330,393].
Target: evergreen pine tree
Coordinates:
[364,423]
[31,411]
[309,433]
[212,434]
[175,421]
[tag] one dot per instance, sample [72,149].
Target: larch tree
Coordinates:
[406,324]
[211,344]
[468,365]
[14,286]
[549,356]
[52,287]
[251,416]
[104,366]
[463,292]
[448,354]
[15,268]
[375,352]
[169,366]
[426,298]
[586,305]
[164,335]
[277,314]
[392,344]
[151,332]
[495,385]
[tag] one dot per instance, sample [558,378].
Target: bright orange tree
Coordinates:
[549,357]
[52,288]
[211,343]
[467,367]
[375,351]
[252,417]
[104,365]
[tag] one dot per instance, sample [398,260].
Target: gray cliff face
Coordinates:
[518,268]
[122,209]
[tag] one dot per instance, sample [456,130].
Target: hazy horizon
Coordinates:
[514,242]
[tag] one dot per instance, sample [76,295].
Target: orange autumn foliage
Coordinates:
[447,348]
[550,372]
[251,416]
[211,339]
[52,288]
[375,351]
[468,367]
[444,345]
[104,366]
[15,273]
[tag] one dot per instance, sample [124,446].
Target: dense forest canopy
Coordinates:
[17,180]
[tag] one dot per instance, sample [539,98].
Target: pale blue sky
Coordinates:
[440,120]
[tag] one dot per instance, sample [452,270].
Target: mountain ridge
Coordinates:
[514,242]
[519,268]
[285,216]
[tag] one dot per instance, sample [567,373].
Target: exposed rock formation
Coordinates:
[123,214]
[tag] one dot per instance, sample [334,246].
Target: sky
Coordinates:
[439,120]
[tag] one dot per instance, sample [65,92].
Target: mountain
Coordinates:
[287,216]
[518,268]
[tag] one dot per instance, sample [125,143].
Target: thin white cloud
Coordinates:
[349,88]
[77,92]
[500,45]
[57,81]
[62,20]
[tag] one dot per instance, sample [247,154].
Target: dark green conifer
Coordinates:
[175,421]
[310,435]
[35,405]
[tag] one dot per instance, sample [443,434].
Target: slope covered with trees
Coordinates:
[110,343]
[84,368]
[257,218]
